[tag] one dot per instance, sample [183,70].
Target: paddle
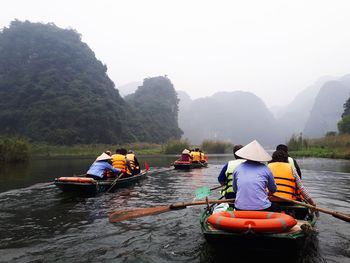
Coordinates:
[205,191]
[115,181]
[121,215]
[338,215]
[121,174]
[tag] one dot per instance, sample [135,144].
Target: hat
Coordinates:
[185,151]
[254,152]
[103,157]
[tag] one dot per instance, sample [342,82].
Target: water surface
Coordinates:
[39,223]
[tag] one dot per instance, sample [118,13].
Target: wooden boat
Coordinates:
[90,187]
[189,165]
[293,238]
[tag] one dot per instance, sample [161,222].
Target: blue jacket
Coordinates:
[99,167]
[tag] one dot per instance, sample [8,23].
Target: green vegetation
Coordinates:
[332,146]
[13,149]
[176,146]
[91,150]
[54,91]
[209,146]
[344,124]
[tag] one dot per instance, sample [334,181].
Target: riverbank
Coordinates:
[335,146]
[43,151]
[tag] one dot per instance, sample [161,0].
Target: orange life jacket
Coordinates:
[285,181]
[119,161]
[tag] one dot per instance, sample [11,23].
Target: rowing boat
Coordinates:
[90,187]
[291,238]
[183,165]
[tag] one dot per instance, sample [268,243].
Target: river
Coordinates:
[39,223]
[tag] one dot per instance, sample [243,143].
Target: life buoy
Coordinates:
[76,179]
[253,221]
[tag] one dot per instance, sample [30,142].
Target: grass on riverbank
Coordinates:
[336,146]
[54,151]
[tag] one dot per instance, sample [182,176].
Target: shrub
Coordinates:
[13,149]
[209,146]
[176,146]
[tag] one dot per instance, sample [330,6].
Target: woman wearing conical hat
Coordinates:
[101,166]
[251,179]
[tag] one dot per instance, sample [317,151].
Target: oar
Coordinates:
[205,191]
[338,215]
[114,182]
[121,215]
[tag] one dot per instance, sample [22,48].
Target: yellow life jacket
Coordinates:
[285,181]
[196,156]
[230,167]
[131,158]
[119,161]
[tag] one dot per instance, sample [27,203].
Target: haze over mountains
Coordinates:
[239,116]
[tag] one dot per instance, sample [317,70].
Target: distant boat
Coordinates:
[189,165]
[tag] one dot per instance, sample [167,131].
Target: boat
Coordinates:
[292,238]
[88,186]
[189,165]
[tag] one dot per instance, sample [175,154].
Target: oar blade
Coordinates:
[202,192]
[122,215]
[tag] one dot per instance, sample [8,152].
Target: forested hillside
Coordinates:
[54,90]
[156,107]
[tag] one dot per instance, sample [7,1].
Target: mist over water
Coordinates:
[39,223]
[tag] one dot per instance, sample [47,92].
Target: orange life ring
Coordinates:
[76,179]
[254,221]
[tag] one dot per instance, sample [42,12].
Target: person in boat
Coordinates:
[289,184]
[108,152]
[196,156]
[202,156]
[100,169]
[291,161]
[120,161]
[225,176]
[134,163]
[186,156]
[251,178]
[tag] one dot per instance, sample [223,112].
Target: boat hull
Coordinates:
[189,165]
[98,186]
[292,239]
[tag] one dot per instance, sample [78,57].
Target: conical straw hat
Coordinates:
[103,157]
[185,151]
[254,152]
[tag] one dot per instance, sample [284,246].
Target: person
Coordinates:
[134,163]
[203,158]
[120,161]
[289,184]
[196,155]
[225,176]
[251,178]
[100,169]
[108,152]
[291,161]
[186,156]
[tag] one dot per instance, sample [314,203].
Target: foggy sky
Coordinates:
[274,49]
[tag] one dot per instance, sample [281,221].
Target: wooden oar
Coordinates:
[114,182]
[121,215]
[338,215]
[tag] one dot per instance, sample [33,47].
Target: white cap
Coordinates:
[254,152]
[185,151]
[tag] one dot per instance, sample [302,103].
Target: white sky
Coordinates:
[273,48]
